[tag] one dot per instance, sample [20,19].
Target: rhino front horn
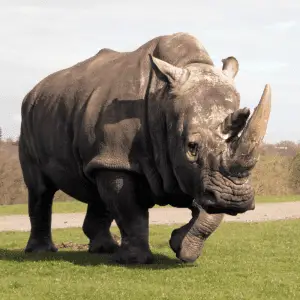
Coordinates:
[254,132]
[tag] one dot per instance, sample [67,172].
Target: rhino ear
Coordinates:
[230,66]
[167,72]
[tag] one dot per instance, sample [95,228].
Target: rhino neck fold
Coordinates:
[156,135]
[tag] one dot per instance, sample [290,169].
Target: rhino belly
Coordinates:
[71,181]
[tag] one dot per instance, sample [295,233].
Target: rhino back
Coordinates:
[91,111]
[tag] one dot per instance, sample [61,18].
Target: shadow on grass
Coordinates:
[83,258]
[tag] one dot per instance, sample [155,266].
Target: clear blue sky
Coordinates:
[39,37]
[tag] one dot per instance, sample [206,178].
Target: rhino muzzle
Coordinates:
[227,195]
[215,204]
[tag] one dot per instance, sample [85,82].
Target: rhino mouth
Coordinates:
[213,203]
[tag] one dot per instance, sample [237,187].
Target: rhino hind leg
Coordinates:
[96,227]
[40,201]
[120,193]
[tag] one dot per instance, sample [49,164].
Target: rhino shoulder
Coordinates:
[181,49]
[104,51]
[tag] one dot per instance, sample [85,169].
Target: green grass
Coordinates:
[276,199]
[74,206]
[239,261]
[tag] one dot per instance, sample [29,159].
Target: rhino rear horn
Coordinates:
[168,72]
[230,66]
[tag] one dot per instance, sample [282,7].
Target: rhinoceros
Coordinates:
[124,131]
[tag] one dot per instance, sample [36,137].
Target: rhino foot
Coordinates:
[133,255]
[35,246]
[184,247]
[103,246]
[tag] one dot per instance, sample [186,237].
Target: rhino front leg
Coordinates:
[96,227]
[119,191]
[188,241]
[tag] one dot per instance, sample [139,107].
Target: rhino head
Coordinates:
[211,146]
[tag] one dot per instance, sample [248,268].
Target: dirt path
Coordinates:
[262,212]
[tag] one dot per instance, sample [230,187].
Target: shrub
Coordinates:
[271,175]
[294,178]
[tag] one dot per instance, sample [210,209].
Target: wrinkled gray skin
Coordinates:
[125,131]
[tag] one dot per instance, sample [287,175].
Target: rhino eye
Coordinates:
[193,148]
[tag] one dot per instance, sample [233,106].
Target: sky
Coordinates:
[39,37]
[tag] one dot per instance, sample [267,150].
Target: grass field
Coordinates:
[76,206]
[240,261]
